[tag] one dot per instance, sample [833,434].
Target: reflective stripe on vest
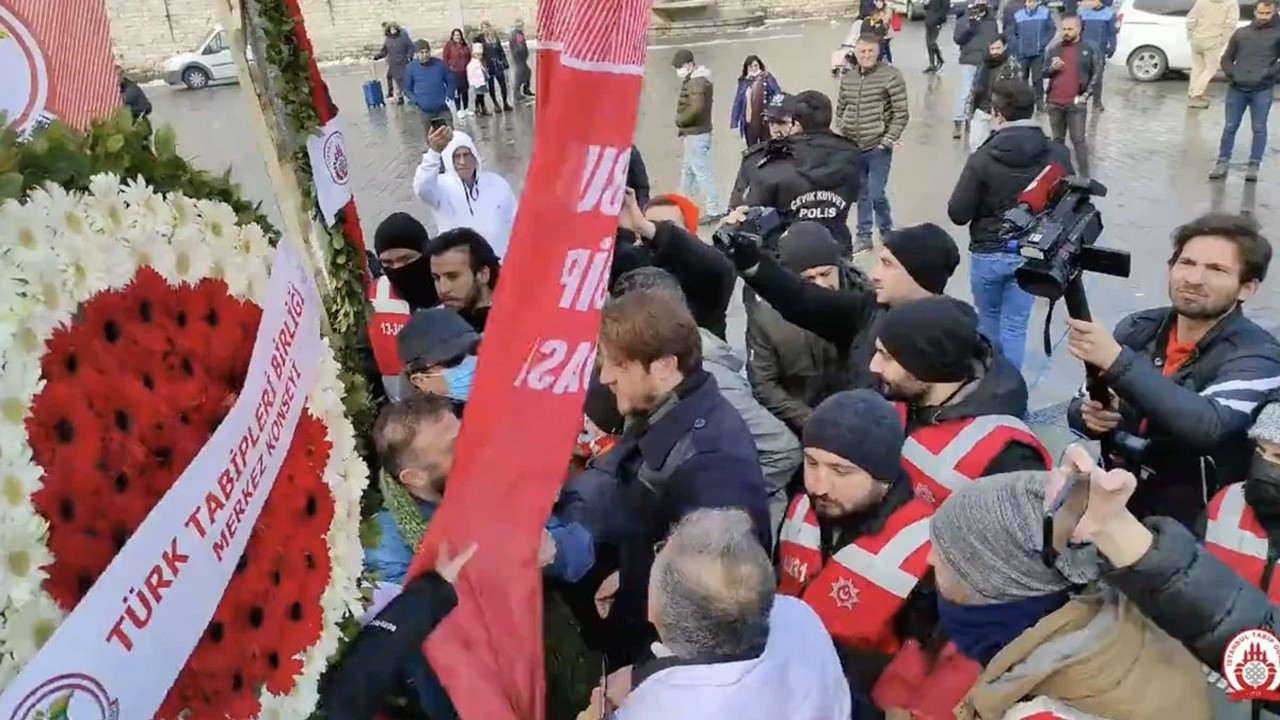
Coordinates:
[389,315]
[1225,527]
[884,568]
[943,468]
[796,530]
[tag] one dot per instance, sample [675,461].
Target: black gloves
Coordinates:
[742,248]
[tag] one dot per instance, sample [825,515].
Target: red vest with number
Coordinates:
[1234,536]
[860,587]
[390,313]
[942,458]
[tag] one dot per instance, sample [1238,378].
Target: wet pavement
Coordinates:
[1148,148]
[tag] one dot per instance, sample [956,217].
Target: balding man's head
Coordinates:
[712,587]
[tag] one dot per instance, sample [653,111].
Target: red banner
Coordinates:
[56,62]
[525,410]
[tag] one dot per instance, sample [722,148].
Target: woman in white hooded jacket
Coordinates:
[461,193]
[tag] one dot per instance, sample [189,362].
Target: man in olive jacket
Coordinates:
[693,124]
[872,112]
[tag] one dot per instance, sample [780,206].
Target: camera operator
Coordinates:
[989,185]
[915,262]
[804,171]
[1188,378]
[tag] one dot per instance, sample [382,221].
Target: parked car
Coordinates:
[1153,36]
[210,64]
[914,9]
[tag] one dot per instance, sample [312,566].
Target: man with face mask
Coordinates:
[855,544]
[406,285]
[1187,378]
[961,402]
[804,171]
[1243,521]
[438,349]
[464,194]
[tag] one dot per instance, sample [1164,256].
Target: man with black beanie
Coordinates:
[804,171]
[791,369]
[405,286]
[961,401]
[914,262]
[854,545]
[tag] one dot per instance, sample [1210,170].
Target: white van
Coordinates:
[1153,36]
[210,64]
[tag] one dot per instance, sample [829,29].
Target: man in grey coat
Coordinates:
[777,446]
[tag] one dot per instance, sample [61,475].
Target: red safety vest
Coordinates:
[390,313]
[942,458]
[859,588]
[1234,536]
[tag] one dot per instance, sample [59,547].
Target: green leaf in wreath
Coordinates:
[166,143]
[10,186]
[114,144]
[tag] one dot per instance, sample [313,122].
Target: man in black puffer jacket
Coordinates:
[935,16]
[973,33]
[989,185]
[804,171]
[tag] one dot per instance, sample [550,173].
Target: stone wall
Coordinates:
[145,32]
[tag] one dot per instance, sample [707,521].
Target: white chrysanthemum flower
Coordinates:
[155,254]
[254,242]
[237,284]
[62,210]
[20,477]
[258,278]
[50,290]
[219,223]
[184,209]
[191,258]
[29,626]
[107,215]
[118,270]
[37,324]
[23,556]
[151,215]
[104,186]
[136,191]
[13,285]
[277,707]
[22,226]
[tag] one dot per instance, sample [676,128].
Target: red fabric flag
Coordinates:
[525,409]
[56,62]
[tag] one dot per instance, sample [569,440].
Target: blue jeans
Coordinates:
[695,169]
[872,196]
[1259,104]
[963,90]
[1004,309]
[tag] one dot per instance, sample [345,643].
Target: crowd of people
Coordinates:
[853,519]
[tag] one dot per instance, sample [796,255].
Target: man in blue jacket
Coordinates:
[1099,29]
[428,84]
[1033,29]
[684,448]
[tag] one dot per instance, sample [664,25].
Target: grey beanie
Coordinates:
[1267,426]
[861,427]
[990,532]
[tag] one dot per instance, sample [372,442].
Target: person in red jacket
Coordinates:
[457,53]
[855,545]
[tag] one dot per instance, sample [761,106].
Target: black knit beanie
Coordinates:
[807,244]
[927,253]
[935,339]
[861,427]
[400,231]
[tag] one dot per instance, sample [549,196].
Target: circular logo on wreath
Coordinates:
[1251,665]
[25,90]
[68,697]
[335,158]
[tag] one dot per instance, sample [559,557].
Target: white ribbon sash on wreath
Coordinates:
[330,168]
[173,571]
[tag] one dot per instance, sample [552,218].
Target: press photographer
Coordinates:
[804,171]
[1189,378]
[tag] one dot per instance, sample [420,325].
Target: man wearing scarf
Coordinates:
[405,285]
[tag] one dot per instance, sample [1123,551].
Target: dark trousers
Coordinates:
[498,80]
[460,88]
[1033,73]
[931,44]
[886,52]
[1064,119]
[1258,103]
[523,77]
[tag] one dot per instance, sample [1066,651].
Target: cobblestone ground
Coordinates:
[1148,148]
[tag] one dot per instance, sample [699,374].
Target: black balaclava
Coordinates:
[412,282]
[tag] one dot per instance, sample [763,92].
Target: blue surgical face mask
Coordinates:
[459,378]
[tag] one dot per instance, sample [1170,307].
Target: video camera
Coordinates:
[1054,227]
[760,225]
